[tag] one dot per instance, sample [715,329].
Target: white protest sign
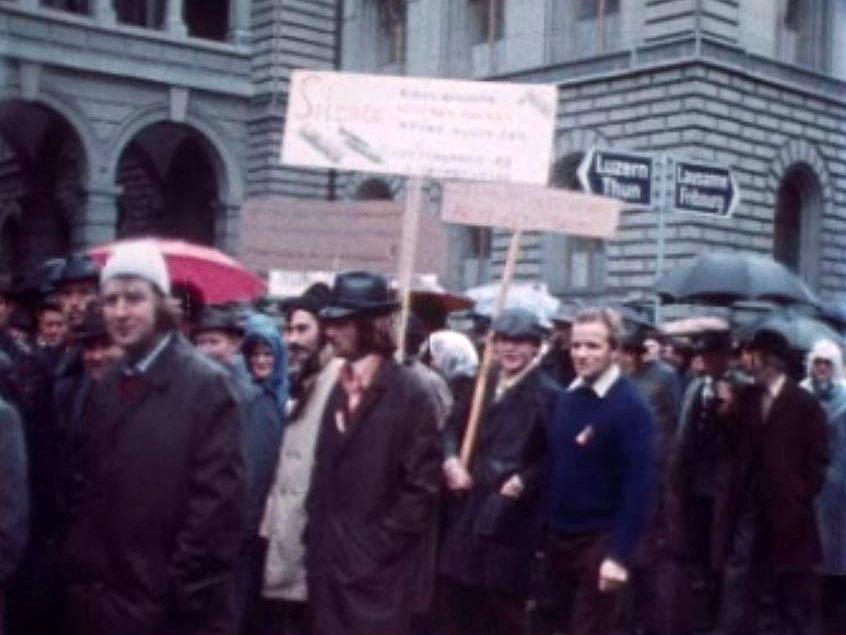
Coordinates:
[447,129]
[530,207]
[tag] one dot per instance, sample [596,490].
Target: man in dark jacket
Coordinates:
[374,490]
[601,478]
[217,334]
[14,500]
[152,546]
[766,535]
[492,526]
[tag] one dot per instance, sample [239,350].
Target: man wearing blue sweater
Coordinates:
[600,479]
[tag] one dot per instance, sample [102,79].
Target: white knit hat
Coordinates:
[140,259]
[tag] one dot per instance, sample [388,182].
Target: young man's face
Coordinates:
[74,298]
[629,361]
[99,356]
[129,309]
[513,355]
[591,350]
[219,345]
[302,335]
[344,338]
[52,328]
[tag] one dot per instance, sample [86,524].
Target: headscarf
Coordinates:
[453,354]
[832,393]
[258,329]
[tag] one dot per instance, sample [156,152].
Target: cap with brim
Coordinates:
[713,342]
[312,300]
[92,327]
[78,268]
[770,342]
[216,319]
[518,324]
[358,293]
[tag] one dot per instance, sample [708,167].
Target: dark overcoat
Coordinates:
[152,545]
[372,509]
[790,448]
[490,538]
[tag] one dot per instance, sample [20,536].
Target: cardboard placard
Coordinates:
[530,208]
[438,128]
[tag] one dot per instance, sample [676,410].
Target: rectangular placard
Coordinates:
[438,128]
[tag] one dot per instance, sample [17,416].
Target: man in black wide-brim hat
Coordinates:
[375,484]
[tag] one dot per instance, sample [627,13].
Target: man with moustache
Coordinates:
[600,478]
[153,542]
[313,372]
[374,489]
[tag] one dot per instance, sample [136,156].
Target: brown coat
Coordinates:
[152,546]
[790,447]
[372,509]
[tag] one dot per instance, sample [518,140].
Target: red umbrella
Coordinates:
[215,275]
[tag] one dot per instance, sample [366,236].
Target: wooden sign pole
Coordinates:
[408,251]
[487,357]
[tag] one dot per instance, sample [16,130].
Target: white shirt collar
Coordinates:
[775,386]
[142,365]
[602,384]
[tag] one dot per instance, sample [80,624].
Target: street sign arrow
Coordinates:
[702,188]
[626,176]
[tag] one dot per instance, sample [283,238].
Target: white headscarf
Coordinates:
[829,351]
[453,354]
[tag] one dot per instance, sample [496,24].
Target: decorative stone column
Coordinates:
[239,21]
[97,220]
[174,23]
[104,12]
[227,227]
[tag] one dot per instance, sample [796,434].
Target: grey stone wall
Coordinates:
[713,113]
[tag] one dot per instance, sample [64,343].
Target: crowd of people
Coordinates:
[229,471]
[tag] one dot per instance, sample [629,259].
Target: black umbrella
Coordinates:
[724,278]
[801,331]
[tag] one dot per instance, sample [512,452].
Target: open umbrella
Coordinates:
[801,331]
[431,302]
[532,296]
[724,278]
[217,277]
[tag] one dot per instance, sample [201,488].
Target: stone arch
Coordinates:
[801,194]
[73,116]
[797,151]
[229,172]
[46,166]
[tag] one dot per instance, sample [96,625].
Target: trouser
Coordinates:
[754,589]
[281,617]
[573,602]
[465,610]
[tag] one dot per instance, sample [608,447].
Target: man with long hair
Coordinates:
[375,483]
[152,545]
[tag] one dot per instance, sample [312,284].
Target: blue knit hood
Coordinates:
[262,329]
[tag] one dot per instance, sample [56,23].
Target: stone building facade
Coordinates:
[129,117]
[755,85]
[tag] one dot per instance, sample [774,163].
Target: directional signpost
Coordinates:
[704,189]
[694,187]
[626,176]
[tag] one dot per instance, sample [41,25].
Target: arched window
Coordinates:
[798,214]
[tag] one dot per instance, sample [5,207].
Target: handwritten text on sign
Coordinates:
[530,208]
[448,129]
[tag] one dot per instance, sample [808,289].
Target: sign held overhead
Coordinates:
[530,208]
[447,129]
[704,189]
[626,176]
